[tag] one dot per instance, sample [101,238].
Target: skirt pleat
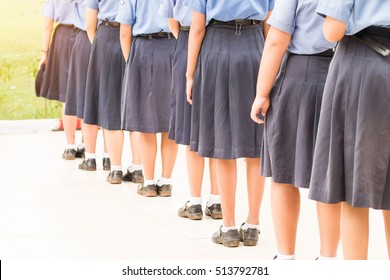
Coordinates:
[352,156]
[223,93]
[104,80]
[55,80]
[292,119]
[77,80]
[147,85]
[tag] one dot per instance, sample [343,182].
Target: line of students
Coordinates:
[216,67]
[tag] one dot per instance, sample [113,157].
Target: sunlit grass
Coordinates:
[20,44]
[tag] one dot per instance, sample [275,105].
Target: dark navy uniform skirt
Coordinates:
[147,85]
[223,93]
[352,155]
[55,79]
[180,119]
[291,123]
[104,80]
[77,79]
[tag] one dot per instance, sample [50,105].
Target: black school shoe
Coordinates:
[136,177]
[80,153]
[88,164]
[69,154]
[228,239]
[164,190]
[214,211]
[107,164]
[148,191]
[249,236]
[193,212]
[115,177]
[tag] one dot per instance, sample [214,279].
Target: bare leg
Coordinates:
[213,176]
[70,124]
[195,167]
[105,141]
[114,141]
[90,134]
[227,182]
[285,205]
[386,219]
[255,184]
[148,153]
[354,232]
[328,216]
[135,144]
[168,155]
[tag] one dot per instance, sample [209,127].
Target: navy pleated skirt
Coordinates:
[352,154]
[223,93]
[104,80]
[291,123]
[77,79]
[147,85]
[55,79]
[180,119]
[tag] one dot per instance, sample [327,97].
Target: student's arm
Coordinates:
[197,32]
[91,21]
[174,26]
[265,25]
[275,47]
[125,39]
[46,35]
[333,29]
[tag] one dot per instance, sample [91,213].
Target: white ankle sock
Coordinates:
[71,146]
[149,182]
[116,167]
[88,156]
[282,257]
[226,229]
[134,167]
[247,225]
[213,199]
[194,200]
[164,181]
[81,146]
[106,155]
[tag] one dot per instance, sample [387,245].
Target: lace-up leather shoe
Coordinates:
[214,211]
[193,212]
[88,164]
[227,239]
[136,177]
[115,177]
[249,236]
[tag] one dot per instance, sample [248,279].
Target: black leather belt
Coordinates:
[327,53]
[185,28]
[111,23]
[168,35]
[68,25]
[364,37]
[235,22]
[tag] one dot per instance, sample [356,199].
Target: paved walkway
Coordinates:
[51,210]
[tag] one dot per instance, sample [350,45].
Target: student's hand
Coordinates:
[260,105]
[43,60]
[190,83]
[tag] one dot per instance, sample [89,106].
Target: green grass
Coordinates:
[20,44]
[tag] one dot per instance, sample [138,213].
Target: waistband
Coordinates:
[111,23]
[68,25]
[364,36]
[235,22]
[327,53]
[168,35]
[185,28]
[376,31]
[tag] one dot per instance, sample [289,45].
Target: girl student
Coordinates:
[56,60]
[147,88]
[352,153]
[292,105]
[225,46]
[179,20]
[104,87]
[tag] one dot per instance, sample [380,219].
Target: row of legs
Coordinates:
[335,220]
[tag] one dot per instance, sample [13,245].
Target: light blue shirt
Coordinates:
[357,14]
[300,20]
[232,9]
[63,11]
[107,8]
[143,16]
[80,13]
[177,10]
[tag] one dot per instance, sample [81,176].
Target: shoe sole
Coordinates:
[250,242]
[107,168]
[230,244]
[115,181]
[165,194]
[215,216]
[69,158]
[194,217]
[136,181]
[87,169]
[147,194]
